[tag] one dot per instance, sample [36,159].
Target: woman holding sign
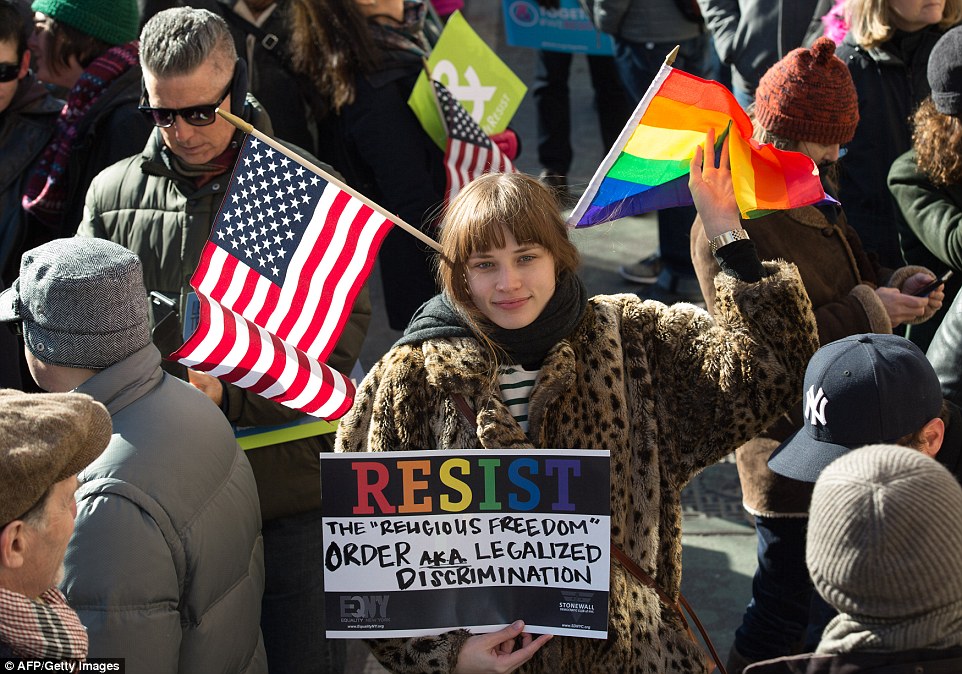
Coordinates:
[668,390]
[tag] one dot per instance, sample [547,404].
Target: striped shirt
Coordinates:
[515,384]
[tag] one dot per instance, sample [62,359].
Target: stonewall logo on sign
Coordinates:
[419,543]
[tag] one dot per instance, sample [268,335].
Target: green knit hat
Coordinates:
[113,21]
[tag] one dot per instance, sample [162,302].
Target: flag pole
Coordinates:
[249,128]
[615,151]
[434,96]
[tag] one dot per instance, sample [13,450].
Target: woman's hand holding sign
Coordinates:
[496,653]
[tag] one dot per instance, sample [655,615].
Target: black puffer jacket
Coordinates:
[379,145]
[891,82]
[25,127]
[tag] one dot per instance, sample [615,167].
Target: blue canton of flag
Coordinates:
[262,222]
[470,152]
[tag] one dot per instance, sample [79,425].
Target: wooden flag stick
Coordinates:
[249,128]
[434,97]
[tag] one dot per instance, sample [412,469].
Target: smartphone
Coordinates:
[925,290]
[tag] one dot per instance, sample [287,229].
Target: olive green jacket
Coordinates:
[142,203]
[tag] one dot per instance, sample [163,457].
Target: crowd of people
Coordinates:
[807,356]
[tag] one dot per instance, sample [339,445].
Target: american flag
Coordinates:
[276,281]
[470,152]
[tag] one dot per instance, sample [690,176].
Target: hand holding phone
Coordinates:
[927,289]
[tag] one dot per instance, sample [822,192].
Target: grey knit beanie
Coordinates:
[945,73]
[82,303]
[883,548]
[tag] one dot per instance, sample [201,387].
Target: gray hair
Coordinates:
[177,41]
[36,517]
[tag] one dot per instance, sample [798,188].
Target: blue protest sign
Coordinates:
[566,29]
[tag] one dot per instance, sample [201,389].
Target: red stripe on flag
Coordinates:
[275,369]
[226,342]
[269,306]
[707,95]
[203,266]
[337,271]
[225,277]
[301,380]
[306,275]
[249,359]
[199,335]
[356,286]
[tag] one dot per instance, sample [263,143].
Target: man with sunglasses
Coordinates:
[161,204]
[28,114]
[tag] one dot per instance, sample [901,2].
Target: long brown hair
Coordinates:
[938,144]
[331,44]
[482,212]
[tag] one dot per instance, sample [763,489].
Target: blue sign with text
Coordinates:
[566,29]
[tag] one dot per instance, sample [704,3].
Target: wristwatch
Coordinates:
[726,238]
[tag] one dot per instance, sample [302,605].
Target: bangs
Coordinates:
[478,217]
[497,205]
[481,232]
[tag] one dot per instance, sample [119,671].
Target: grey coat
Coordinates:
[166,564]
[751,35]
[642,20]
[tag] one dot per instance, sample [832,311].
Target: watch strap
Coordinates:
[726,238]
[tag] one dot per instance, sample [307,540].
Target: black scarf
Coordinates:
[438,319]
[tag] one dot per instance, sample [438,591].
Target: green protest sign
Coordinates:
[474,74]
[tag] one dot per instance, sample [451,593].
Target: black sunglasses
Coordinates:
[9,71]
[196,115]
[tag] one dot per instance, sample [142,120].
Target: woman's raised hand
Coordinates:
[497,652]
[711,188]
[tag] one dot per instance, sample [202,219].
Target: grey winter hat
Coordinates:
[82,302]
[859,390]
[945,73]
[883,548]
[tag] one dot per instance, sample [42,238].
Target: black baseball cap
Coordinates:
[860,390]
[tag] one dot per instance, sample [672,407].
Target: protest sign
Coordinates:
[475,76]
[566,28]
[419,543]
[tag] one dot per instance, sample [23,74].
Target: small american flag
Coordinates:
[276,281]
[470,152]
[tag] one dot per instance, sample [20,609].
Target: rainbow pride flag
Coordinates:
[647,169]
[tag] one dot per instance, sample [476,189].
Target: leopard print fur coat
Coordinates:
[667,389]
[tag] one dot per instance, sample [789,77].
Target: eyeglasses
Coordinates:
[9,71]
[196,115]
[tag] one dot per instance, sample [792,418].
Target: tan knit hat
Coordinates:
[45,438]
[809,96]
[883,548]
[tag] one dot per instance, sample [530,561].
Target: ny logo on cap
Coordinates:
[815,405]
